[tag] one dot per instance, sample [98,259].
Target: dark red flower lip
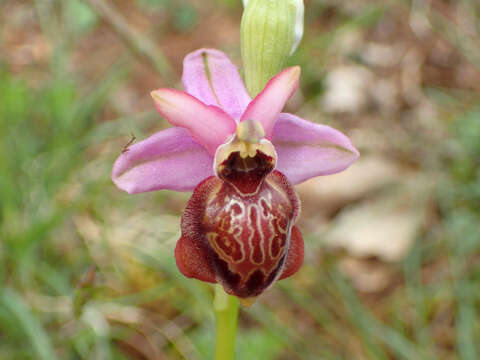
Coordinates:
[243,242]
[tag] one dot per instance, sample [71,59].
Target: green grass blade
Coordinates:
[29,324]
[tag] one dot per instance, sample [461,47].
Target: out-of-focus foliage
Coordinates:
[393,249]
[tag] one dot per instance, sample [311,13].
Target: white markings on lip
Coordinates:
[250,233]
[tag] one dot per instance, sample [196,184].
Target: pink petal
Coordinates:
[306,149]
[170,159]
[210,76]
[210,126]
[266,107]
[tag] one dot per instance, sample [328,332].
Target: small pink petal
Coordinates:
[306,149]
[169,159]
[266,107]
[210,126]
[210,76]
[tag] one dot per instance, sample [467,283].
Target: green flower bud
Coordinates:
[270,32]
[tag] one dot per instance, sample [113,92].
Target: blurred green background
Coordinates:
[392,267]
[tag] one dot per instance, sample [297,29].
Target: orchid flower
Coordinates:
[241,157]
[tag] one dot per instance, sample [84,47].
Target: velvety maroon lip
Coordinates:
[244,242]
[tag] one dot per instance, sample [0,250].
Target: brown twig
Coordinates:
[137,43]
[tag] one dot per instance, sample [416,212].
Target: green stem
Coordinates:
[226,313]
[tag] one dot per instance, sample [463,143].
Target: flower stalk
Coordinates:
[226,314]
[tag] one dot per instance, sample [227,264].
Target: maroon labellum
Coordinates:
[238,228]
